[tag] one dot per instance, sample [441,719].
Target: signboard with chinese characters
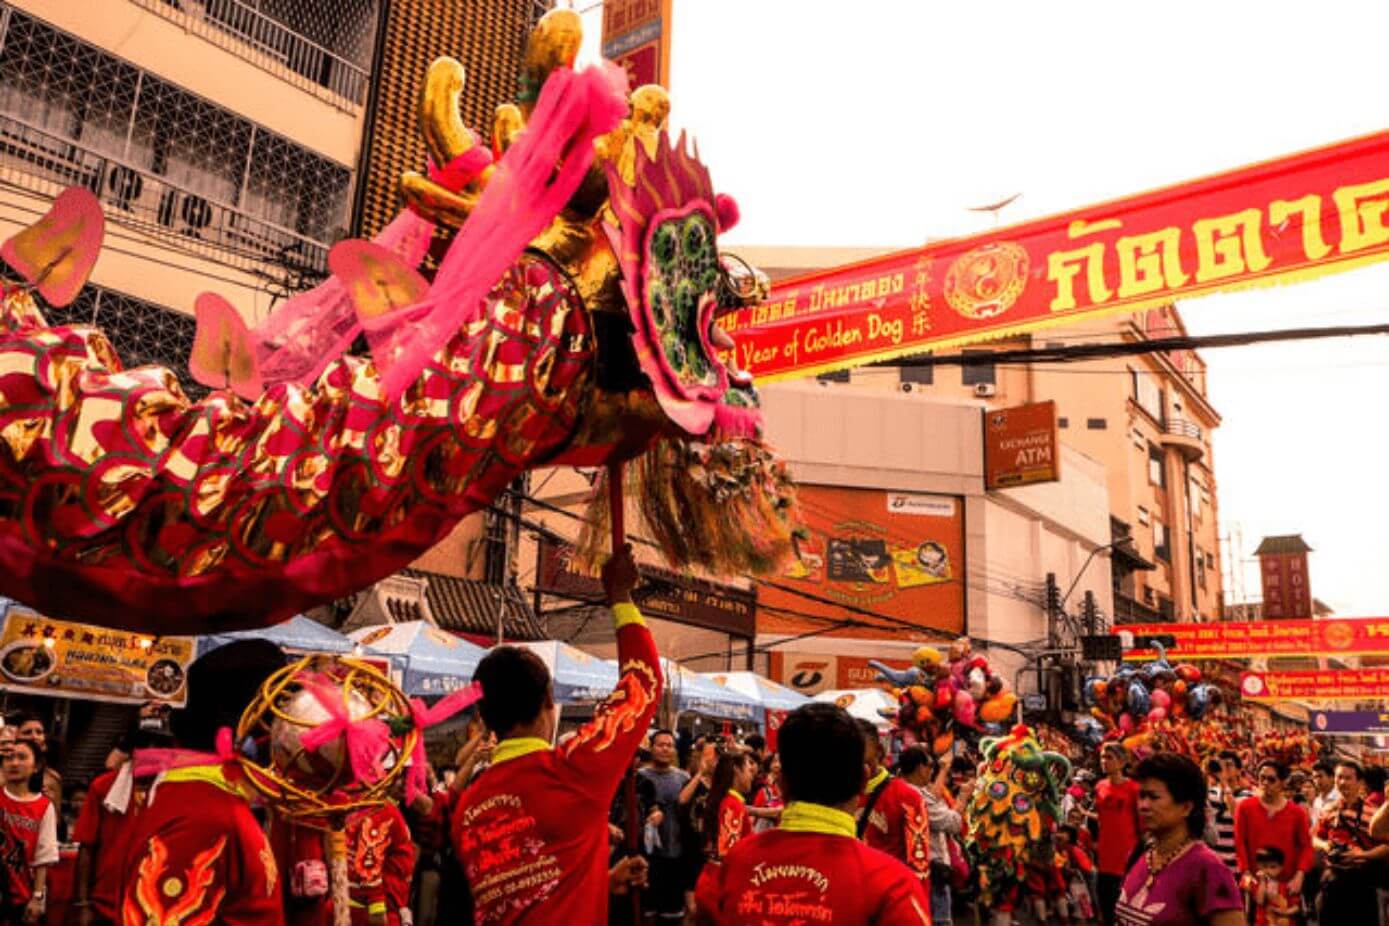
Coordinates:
[1020,446]
[1314,685]
[1284,580]
[1351,723]
[39,655]
[1337,636]
[636,35]
[684,599]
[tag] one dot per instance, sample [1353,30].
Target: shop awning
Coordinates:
[765,691]
[578,677]
[429,661]
[298,635]
[865,703]
[690,691]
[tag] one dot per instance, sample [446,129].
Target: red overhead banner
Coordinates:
[1348,636]
[1282,221]
[1335,685]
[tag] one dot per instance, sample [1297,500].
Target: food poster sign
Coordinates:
[898,554]
[43,656]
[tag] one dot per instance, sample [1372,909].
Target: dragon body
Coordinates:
[123,503]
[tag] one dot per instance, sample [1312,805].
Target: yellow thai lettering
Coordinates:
[1064,266]
[1362,207]
[1314,246]
[1150,262]
[1229,245]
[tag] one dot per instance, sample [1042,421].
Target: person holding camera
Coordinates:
[1355,860]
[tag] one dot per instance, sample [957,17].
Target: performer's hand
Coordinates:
[33,912]
[627,873]
[620,576]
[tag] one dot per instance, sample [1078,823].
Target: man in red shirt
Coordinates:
[1269,819]
[892,815]
[104,830]
[532,831]
[1116,812]
[811,868]
[197,854]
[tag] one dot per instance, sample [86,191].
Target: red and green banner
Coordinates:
[1290,219]
[1334,685]
[1337,636]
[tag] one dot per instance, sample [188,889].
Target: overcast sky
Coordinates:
[878,122]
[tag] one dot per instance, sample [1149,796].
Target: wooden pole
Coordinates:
[629,784]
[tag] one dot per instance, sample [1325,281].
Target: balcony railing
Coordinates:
[40,162]
[269,41]
[1180,427]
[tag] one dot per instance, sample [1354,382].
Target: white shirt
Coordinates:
[1321,802]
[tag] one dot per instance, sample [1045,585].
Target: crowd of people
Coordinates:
[624,823]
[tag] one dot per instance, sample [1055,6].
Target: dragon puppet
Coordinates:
[548,299]
[1013,812]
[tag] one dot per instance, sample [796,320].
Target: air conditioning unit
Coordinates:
[985,390]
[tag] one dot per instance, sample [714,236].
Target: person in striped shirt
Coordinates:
[1227,773]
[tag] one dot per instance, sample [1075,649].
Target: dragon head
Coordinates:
[639,241]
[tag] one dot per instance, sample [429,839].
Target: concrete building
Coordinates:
[1146,419]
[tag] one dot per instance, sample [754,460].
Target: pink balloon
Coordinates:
[1156,714]
[964,708]
[1126,722]
[1160,698]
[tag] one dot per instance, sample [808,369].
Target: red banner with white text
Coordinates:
[1312,685]
[1281,221]
[1337,636]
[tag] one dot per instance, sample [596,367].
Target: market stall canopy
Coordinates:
[765,691]
[690,691]
[579,677]
[864,703]
[430,661]
[298,635]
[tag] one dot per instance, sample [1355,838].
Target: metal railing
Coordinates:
[1180,427]
[35,160]
[268,40]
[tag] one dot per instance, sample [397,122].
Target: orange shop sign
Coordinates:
[1313,685]
[812,673]
[1020,446]
[1340,636]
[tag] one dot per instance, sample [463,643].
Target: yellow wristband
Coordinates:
[376,909]
[625,613]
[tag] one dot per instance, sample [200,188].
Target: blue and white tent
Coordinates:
[428,661]
[579,677]
[690,691]
[769,694]
[298,635]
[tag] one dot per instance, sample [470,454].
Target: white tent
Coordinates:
[862,702]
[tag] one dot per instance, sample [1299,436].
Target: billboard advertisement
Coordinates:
[897,555]
[1020,446]
[812,673]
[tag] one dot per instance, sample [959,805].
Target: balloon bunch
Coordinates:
[943,696]
[1293,748]
[1142,707]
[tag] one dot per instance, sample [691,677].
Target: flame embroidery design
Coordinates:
[917,830]
[729,831]
[618,714]
[368,840]
[189,903]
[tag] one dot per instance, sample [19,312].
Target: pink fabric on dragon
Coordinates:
[297,341]
[534,180]
[416,778]
[367,739]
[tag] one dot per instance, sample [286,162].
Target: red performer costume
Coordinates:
[380,864]
[197,855]
[734,824]
[200,855]
[532,831]
[812,870]
[105,829]
[897,824]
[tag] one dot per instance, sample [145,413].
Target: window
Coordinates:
[1157,473]
[972,374]
[1142,515]
[1161,549]
[924,376]
[1063,422]
[1096,424]
[1147,394]
[838,376]
[1200,569]
[1193,497]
